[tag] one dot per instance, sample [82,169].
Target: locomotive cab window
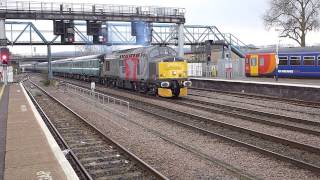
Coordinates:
[295,60]
[309,60]
[283,60]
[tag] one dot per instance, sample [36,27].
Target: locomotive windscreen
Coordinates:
[161,52]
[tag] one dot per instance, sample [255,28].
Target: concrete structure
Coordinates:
[306,90]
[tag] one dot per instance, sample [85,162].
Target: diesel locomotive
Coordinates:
[153,69]
[292,62]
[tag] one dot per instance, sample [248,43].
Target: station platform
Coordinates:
[281,81]
[30,150]
[300,89]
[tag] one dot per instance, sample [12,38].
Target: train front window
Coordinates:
[253,61]
[283,60]
[309,60]
[295,60]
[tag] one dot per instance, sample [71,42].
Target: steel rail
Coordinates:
[311,104]
[269,137]
[137,160]
[84,173]
[264,120]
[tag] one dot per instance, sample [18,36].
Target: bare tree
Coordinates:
[295,18]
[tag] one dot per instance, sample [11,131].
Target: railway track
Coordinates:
[232,170]
[96,155]
[299,154]
[272,119]
[255,102]
[311,104]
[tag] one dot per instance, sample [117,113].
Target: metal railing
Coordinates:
[110,103]
[86,8]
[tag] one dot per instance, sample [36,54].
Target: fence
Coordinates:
[110,103]
[223,69]
[85,8]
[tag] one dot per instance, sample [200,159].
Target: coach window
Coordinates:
[283,60]
[295,60]
[309,60]
[261,61]
[318,60]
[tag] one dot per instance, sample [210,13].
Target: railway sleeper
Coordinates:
[107,157]
[89,148]
[85,144]
[102,169]
[105,164]
[94,153]
[128,175]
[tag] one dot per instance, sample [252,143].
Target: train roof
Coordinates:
[287,50]
[147,50]
[97,56]
[154,52]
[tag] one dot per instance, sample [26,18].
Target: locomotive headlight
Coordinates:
[174,72]
[165,84]
[187,83]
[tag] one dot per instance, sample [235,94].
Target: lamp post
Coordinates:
[277,54]
[277,60]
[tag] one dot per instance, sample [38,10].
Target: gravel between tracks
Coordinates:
[281,132]
[169,159]
[176,163]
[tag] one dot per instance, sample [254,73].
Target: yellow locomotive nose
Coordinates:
[170,70]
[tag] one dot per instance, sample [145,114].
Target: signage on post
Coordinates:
[93,86]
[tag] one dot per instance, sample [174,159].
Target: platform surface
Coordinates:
[3,123]
[281,81]
[28,153]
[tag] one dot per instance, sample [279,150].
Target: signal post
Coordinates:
[4,51]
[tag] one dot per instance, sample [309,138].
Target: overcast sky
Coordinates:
[242,18]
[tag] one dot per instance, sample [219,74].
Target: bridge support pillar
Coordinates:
[180,40]
[49,61]
[3,38]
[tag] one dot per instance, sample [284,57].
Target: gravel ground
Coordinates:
[312,140]
[169,159]
[307,113]
[181,164]
[281,132]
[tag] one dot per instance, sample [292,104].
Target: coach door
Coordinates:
[254,67]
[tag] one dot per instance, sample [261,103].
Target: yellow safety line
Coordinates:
[1,92]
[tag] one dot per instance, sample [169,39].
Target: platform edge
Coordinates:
[64,163]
